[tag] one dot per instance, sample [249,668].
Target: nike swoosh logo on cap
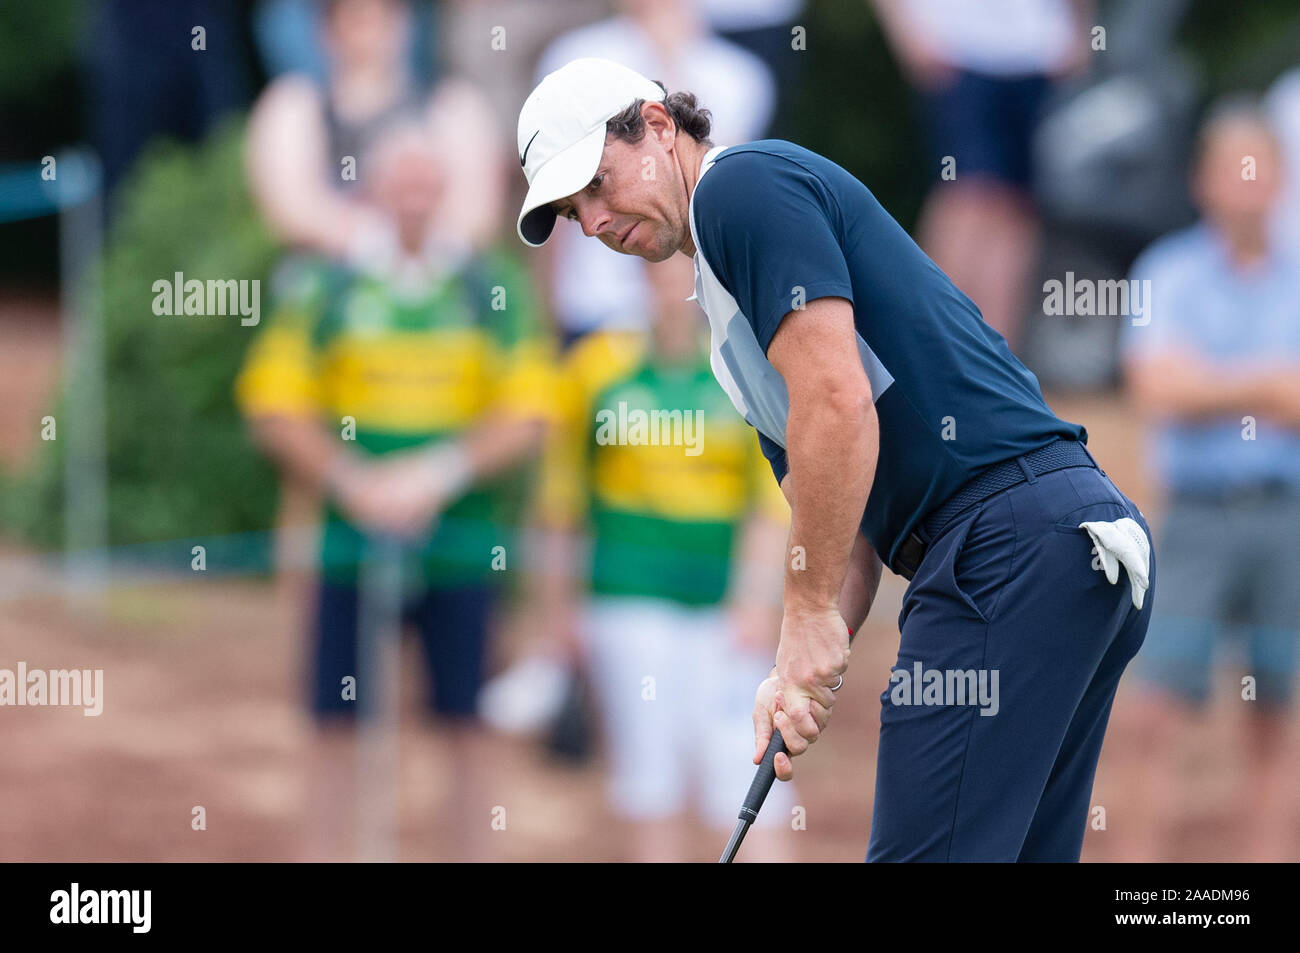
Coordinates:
[523,160]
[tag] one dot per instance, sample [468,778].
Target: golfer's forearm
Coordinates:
[861,579]
[831,448]
[860,584]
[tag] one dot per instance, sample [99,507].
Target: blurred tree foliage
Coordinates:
[179,461]
[40,111]
[854,107]
[37,41]
[1242,46]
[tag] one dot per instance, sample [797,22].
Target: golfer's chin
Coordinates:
[656,254]
[657,251]
[653,254]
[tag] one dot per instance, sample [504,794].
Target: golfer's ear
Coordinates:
[656,118]
[815,349]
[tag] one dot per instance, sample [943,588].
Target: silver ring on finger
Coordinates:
[838,684]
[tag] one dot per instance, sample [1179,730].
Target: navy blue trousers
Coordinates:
[1007,592]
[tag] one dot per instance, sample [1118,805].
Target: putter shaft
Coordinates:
[758,789]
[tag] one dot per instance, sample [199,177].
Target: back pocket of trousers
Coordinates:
[1091,513]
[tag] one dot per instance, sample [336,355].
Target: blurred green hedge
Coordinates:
[853,106]
[37,42]
[179,461]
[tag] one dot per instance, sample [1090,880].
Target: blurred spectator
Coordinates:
[494,44]
[289,37]
[594,286]
[1283,103]
[444,390]
[1218,370]
[306,140]
[764,28]
[144,76]
[982,72]
[684,581]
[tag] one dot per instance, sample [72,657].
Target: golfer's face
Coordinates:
[630,204]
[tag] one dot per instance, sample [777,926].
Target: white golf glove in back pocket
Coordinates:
[1123,542]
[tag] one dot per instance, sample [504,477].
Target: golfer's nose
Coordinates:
[594,220]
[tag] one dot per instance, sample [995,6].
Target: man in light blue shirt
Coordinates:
[1217,369]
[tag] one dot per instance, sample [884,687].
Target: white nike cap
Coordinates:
[562,133]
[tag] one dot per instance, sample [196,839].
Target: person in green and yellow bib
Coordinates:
[407,397]
[653,468]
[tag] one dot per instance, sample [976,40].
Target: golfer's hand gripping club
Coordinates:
[758,789]
[763,778]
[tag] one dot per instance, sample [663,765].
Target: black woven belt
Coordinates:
[1057,455]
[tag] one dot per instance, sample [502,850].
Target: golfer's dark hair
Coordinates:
[683,108]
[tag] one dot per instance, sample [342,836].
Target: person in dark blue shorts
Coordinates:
[904,433]
[981,75]
[410,407]
[988,122]
[453,627]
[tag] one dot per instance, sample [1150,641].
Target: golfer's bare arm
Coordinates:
[861,580]
[860,584]
[832,442]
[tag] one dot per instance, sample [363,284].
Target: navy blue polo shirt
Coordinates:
[776,226]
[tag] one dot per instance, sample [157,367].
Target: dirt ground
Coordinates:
[203,707]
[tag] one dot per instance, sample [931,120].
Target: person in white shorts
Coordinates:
[668,488]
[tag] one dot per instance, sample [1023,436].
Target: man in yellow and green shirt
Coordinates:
[407,398]
[667,484]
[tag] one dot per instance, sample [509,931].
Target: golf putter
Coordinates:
[758,789]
